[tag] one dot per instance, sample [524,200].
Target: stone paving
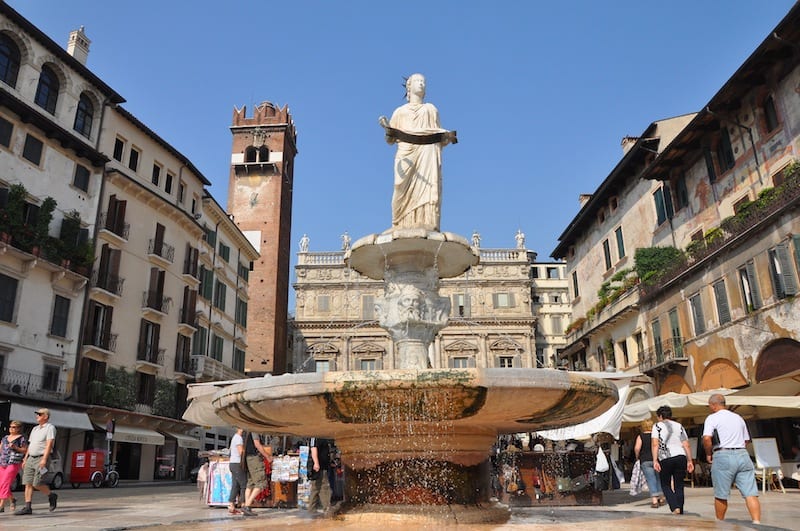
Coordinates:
[177,507]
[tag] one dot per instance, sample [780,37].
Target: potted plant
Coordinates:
[12,220]
[41,228]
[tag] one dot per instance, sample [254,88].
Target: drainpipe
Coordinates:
[749,133]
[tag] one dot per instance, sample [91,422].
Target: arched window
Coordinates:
[250,154]
[9,61]
[263,154]
[84,116]
[47,90]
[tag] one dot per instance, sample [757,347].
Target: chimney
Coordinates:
[628,142]
[584,198]
[78,45]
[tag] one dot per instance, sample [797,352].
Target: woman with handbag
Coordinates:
[12,452]
[643,451]
[670,447]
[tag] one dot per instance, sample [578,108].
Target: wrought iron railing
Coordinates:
[103,340]
[663,352]
[112,224]
[150,354]
[108,281]
[156,301]
[28,384]
[164,250]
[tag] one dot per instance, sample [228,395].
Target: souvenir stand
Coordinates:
[218,484]
[284,480]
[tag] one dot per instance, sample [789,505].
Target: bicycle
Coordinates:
[109,478]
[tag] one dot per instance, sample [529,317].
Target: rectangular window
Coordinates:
[224,252]
[156,176]
[241,312]
[681,193]
[607,254]
[243,271]
[368,365]
[459,362]
[119,149]
[540,358]
[552,273]
[749,285]
[675,327]
[322,365]
[696,305]
[217,345]
[712,174]
[220,290]
[368,307]
[181,192]
[725,150]
[620,243]
[655,328]
[557,324]
[33,149]
[503,300]
[206,289]
[770,114]
[199,341]
[623,348]
[575,291]
[6,129]
[721,298]
[461,305]
[168,183]
[60,316]
[323,303]
[81,178]
[663,201]
[8,297]
[780,266]
[133,160]
[534,272]
[50,377]
[238,359]
[505,362]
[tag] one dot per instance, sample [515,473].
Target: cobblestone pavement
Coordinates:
[176,507]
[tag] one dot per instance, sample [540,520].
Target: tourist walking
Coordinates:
[12,452]
[320,450]
[730,462]
[34,465]
[671,457]
[643,451]
[238,475]
[255,455]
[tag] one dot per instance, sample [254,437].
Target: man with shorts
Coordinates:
[34,464]
[730,462]
[255,454]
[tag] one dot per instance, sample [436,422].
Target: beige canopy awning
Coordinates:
[60,418]
[184,441]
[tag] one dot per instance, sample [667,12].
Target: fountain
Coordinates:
[414,440]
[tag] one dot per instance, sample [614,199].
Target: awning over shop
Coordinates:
[60,418]
[132,434]
[184,441]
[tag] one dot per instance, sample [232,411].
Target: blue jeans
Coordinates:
[651,476]
[733,466]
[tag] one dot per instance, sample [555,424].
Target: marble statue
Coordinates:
[415,128]
[345,241]
[520,237]
[476,239]
[304,243]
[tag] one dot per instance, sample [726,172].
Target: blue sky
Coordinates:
[541,93]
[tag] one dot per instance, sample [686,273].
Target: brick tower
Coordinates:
[260,199]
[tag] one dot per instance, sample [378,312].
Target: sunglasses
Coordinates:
[38,413]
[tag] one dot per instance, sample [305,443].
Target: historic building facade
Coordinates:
[493,319]
[721,195]
[260,200]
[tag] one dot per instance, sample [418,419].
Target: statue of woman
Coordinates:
[415,128]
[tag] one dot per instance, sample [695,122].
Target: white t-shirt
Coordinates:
[670,436]
[40,434]
[236,442]
[730,426]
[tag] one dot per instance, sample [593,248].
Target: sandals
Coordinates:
[234,511]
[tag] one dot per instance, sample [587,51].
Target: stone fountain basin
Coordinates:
[376,416]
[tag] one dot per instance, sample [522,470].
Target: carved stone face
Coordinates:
[416,86]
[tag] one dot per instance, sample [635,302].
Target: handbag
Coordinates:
[638,481]
[601,464]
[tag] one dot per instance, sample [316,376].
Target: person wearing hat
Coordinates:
[671,457]
[34,465]
[12,450]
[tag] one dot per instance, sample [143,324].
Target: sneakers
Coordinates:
[24,510]
[53,499]
[247,511]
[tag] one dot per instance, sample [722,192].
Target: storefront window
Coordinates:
[165,460]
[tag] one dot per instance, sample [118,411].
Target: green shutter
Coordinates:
[721,296]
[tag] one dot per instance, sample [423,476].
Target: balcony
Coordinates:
[188,320]
[160,251]
[114,229]
[154,302]
[149,358]
[207,369]
[190,271]
[33,385]
[662,356]
[183,365]
[108,283]
[100,343]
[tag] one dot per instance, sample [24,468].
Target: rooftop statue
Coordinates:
[415,128]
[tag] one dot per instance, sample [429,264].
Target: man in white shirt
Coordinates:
[730,462]
[34,464]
